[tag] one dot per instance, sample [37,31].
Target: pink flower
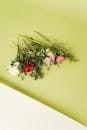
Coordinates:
[47,61]
[51,56]
[59,59]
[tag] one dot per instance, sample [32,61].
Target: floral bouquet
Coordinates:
[33,54]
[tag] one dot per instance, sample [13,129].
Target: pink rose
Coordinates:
[47,61]
[59,59]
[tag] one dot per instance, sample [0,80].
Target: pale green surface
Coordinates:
[63,88]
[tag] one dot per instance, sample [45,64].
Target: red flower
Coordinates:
[28,67]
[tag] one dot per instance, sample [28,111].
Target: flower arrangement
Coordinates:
[33,54]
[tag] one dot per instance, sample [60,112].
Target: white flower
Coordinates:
[16,64]
[13,69]
[47,50]
[51,56]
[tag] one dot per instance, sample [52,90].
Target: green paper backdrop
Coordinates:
[63,88]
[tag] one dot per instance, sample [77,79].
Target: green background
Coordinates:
[63,88]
